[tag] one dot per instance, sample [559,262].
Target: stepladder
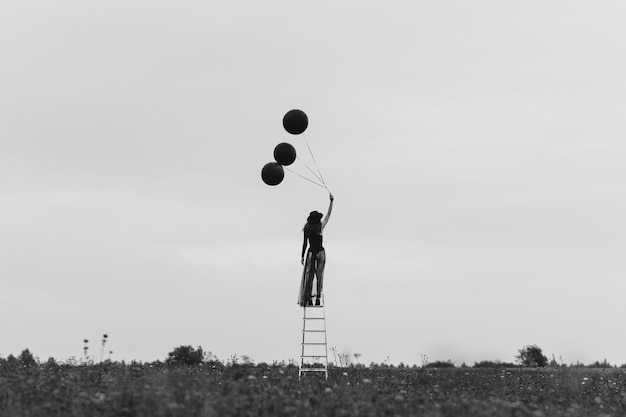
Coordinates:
[314,356]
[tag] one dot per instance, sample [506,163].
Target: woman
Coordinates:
[315,258]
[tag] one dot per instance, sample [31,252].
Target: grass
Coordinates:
[218,389]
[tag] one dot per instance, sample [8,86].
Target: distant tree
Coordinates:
[51,363]
[531,356]
[493,364]
[185,355]
[440,364]
[603,364]
[10,361]
[27,359]
[554,364]
[247,360]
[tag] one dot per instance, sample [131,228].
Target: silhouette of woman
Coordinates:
[314,259]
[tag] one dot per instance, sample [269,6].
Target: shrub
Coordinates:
[185,355]
[531,356]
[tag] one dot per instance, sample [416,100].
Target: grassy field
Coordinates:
[216,389]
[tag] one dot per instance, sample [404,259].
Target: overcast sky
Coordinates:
[475,150]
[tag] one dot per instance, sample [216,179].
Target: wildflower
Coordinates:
[98,398]
[104,341]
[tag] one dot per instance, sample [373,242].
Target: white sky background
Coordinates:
[475,150]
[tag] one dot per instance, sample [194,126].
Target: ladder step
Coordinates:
[313,370]
[313,356]
[316,344]
[313,331]
[314,318]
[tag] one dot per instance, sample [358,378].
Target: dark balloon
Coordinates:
[284,153]
[272,173]
[295,121]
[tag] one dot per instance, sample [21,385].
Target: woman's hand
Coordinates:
[302,261]
[331,197]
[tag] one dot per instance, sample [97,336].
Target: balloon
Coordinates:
[295,121]
[272,173]
[284,153]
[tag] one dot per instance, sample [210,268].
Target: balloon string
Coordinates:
[309,180]
[314,161]
[310,169]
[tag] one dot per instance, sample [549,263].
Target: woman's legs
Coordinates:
[310,262]
[320,263]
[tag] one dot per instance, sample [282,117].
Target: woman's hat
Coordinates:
[314,216]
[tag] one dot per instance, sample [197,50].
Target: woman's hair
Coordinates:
[313,223]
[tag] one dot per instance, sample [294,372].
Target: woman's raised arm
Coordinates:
[330,209]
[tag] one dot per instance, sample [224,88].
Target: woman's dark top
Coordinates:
[315,241]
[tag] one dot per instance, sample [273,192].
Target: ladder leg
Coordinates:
[300,372]
[325,340]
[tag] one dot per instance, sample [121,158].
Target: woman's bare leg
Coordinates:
[319,271]
[310,261]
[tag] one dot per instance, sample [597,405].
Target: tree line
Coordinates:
[530,356]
